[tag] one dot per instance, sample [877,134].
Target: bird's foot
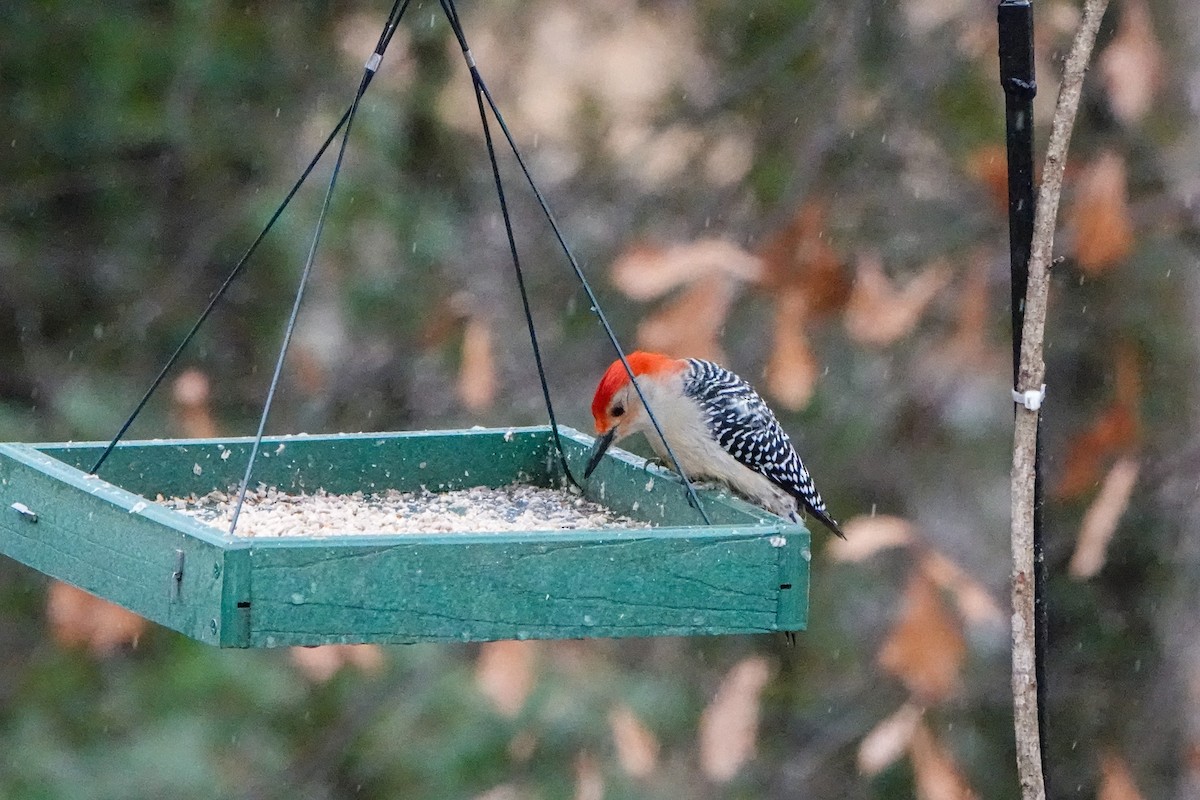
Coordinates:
[654,461]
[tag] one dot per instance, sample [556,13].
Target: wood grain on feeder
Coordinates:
[269,512]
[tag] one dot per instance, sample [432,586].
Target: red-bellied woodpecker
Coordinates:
[716,424]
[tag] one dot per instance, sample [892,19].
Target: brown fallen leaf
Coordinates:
[690,325]
[1131,67]
[971,347]
[192,404]
[1116,779]
[1102,517]
[506,673]
[477,368]
[589,780]
[442,321]
[1099,216]
[637,747]
[729,725]
[974,602]
[868,535]
[319,664]
[1116,430]
[647,272]
[925,648]
[79,619]
[989,165]
[935,773]
[800,258]
[791,374]
[880,312]
[889,739]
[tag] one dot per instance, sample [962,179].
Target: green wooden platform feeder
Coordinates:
[746,573]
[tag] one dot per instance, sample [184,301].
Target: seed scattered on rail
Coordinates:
[269,512]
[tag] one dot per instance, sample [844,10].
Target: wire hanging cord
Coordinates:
[368,73]
[385,38]
[516,258]
[482,93]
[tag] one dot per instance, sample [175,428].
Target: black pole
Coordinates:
[1016,76]
[1015,20]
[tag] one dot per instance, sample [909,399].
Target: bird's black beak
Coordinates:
[598,450]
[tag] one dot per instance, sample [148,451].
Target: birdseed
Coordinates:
[269,512]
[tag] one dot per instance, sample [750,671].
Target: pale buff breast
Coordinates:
[700,455]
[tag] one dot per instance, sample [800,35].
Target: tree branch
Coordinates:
[1031,376]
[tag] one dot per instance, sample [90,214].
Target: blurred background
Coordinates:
[810,192]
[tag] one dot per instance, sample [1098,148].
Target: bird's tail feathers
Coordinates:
[823,517]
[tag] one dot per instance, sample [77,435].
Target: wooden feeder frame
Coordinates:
[748,572]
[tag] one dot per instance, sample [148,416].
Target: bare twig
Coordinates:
[1031,376]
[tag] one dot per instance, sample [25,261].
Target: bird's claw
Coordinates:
[653,461]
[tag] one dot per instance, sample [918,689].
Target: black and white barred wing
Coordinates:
[747,429]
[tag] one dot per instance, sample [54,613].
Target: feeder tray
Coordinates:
[745,573]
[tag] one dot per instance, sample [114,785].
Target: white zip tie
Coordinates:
[373,62]
[470,58]
[1031,399]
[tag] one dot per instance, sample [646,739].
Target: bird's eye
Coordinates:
[618,411]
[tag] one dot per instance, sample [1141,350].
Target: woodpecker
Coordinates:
[717,425]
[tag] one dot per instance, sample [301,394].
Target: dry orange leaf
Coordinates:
[881,312]
[690,325]
[970,345]
[191,403]
[647,272]
[506,673]
[989,165]
[1116,779]
[319,664]
[79,619]
[925,648]
[1132,64]
[935,772]
[1099,215]
[589,780]
[1116,430]
[477,369]
[791,373]
[637,747]
[975,603]
[729,726]
[800,257]
[868,535]
[441,322]
[889,740]
[1101,519]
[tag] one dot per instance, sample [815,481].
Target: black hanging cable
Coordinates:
[1015,23]
[452,15]
[520,274]
[368,73]
[384,39]
[218,295]
[481,89]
